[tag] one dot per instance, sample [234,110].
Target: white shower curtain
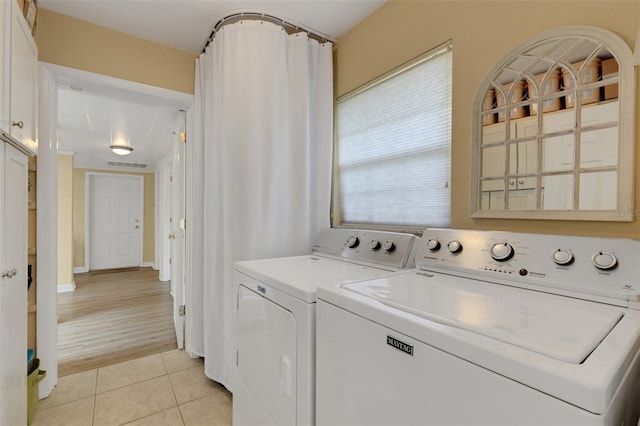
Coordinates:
[261,159]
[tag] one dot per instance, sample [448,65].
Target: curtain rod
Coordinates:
[235,17]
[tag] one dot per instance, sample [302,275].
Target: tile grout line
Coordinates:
[150,414]
[95,400]
[129,384]
[166,369]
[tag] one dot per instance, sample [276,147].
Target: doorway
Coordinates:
[52,78]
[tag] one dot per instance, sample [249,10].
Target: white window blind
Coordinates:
[394,147]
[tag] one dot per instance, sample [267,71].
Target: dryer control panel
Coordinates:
[599,269]
[393,250]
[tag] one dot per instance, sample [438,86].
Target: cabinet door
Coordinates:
[24,62]
[599,146]
[5,36]
[13,286]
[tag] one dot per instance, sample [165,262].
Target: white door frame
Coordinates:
[47,225]
[50,77]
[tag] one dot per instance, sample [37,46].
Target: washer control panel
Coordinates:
[601,269]
[393,250]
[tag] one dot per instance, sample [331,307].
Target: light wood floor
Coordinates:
[113,317]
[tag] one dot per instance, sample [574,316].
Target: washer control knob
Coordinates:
[604,260]
[454,246]
[501,251]
[562,257]
[353,242]
[374,245]
[433,244]
[388,246]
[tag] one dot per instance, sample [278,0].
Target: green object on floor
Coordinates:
[33,379]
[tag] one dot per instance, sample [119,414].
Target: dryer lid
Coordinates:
[556,326]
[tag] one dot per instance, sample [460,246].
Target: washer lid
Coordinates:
[559,327]
[300,276]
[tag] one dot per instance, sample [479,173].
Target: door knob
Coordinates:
[18,124]
[9,274]
[172,236]
[137,227]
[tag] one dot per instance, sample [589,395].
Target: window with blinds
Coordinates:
[393,148]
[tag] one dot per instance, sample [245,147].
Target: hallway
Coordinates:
[113,316]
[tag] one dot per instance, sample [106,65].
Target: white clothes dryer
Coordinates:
[491,328]
[275,319]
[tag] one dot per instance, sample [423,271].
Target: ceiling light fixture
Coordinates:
[121,149]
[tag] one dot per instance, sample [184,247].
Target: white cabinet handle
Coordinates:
[9,274]
[18,124]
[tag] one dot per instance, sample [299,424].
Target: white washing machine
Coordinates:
[275,320]
[491,328]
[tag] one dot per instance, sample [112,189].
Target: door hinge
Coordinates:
[170,178]
[237,356]
[183,137]
[182,310]
[169,261]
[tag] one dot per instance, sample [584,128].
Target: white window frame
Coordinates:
[336,202]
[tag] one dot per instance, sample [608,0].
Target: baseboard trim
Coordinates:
[146,265]
[65,288]
[80,270]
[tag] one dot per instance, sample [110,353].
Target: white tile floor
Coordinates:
[164,389]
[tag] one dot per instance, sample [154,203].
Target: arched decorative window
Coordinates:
[553,130]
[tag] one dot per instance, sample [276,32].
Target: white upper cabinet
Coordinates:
[24,64]
[18,79]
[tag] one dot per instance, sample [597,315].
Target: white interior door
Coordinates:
[177,222]
[115,221]
[13,287]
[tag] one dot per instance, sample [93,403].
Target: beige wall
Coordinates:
[79,183]
[72,43]
[482,33]
[65,221]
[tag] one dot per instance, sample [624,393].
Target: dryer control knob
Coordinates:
[353,242]
[454,246]
[374,245]
[562,257]
[501,251]
[604,260]
[388,246]
[433,244]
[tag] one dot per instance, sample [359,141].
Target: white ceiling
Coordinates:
[89,120]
